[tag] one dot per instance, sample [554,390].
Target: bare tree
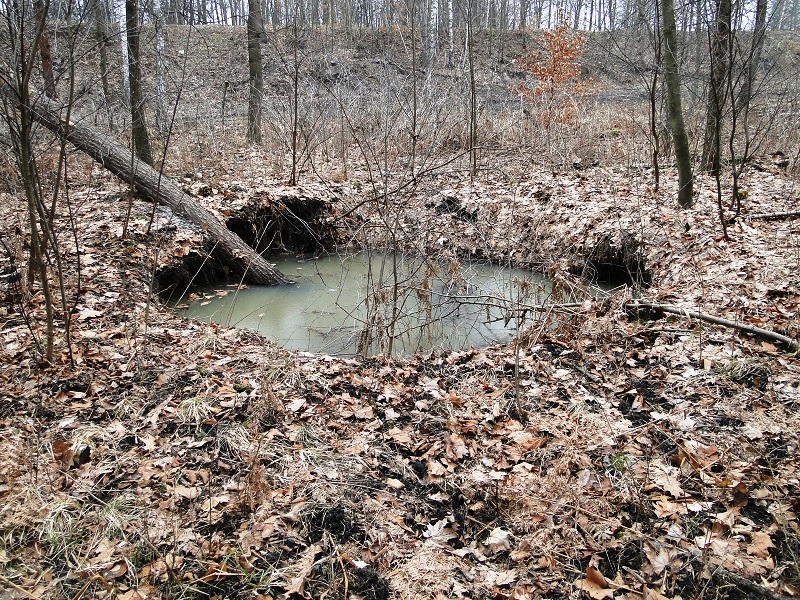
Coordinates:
[720,41]
[40,12]
[125,89]
[141,139]
[678,128]
[101,39]
[450,35]
[255,28]
[433,33]
[157,14]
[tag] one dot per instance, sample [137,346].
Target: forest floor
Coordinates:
[607,456]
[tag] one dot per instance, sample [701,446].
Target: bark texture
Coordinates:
[676,124]
[717,86]
[141,139]
[40,12]
[254,28]
[101,40]
[116,158]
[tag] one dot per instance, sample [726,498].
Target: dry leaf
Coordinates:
[596,577]
[88,313]
[659,557]
[395,484]
[118,569]
[760,544]
[400,436]
[296,404]
[594,590]
[527,441]
[664,477]
[187,492]
[305,565]
[365,413]
[654,595]
[439,533]
[499,539]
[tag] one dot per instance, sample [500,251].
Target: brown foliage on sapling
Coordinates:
[560,82]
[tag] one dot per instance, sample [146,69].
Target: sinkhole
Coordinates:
[376,303]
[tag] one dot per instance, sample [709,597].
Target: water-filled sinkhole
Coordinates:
[375,303]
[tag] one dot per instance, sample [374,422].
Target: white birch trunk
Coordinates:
[123,44]
[433,32]
[451,50]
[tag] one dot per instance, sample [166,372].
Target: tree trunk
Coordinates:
[116,158]
[160,99]
[676,124]
[433,33]
[254,29]
[125,89]
[753,60]
[717,85]
[101,39]
[473,97]
[40,11]
[450,35]
[276,13]
[141,140]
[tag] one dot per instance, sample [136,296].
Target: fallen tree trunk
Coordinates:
[789,214]
[117,158]
[772,336]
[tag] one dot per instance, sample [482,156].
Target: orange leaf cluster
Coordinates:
[560,83]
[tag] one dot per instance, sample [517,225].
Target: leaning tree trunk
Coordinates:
[116,158]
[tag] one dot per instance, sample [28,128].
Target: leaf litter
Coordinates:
[606,456]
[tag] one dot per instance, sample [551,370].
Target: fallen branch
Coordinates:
[117,158]
[789,214]
[766,334]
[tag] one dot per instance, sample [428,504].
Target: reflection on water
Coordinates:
[360,304]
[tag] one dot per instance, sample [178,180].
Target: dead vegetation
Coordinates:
[610,457]
[606,455]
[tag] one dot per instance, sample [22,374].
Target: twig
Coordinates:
[793,345]
[789,214]
[94,577]
[18,588]
[341,563]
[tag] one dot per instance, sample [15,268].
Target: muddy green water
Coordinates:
[362,304]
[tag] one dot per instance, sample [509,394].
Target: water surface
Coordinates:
[362,304]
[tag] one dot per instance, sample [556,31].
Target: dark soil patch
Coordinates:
[628,555]
[787,552]
[369,584]
[198,268]
[616,264]
[335,520]
[757,513]
[294,224]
